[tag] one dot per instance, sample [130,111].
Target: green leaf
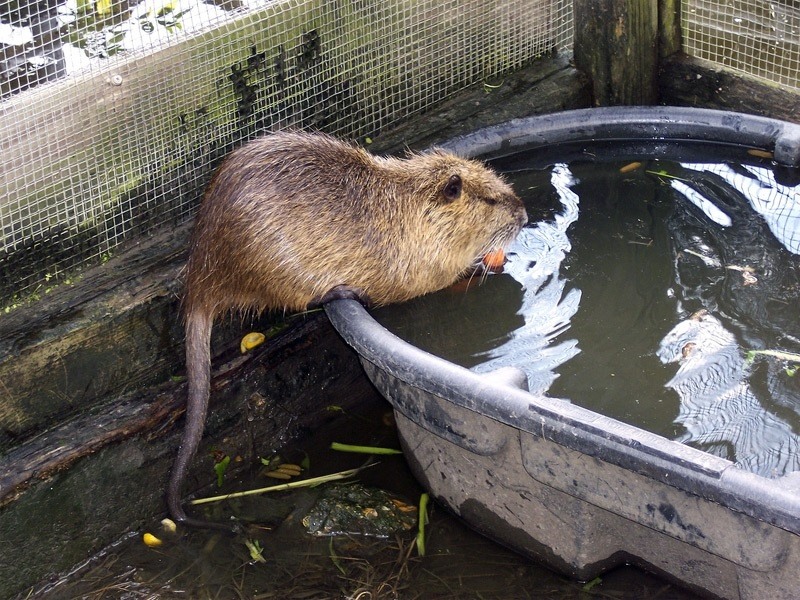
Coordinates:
[306,463]
[594,582]
[220,468]
[256,551]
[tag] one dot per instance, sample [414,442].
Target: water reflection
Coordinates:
[723,263]
[746,288]
[546,310]
[719,409]
[709,208]
[778,204]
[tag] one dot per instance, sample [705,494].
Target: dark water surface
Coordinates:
[639,290]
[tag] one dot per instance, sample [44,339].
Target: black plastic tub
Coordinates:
[577,490]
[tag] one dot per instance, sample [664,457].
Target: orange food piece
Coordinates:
[630,167]
[760,153]
[494,259]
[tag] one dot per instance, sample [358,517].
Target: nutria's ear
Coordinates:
[452,189]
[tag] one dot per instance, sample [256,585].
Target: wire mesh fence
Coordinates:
[114,112]
[757,37]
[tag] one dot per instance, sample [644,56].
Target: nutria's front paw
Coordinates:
[342,292]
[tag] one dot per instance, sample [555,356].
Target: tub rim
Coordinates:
[634,123]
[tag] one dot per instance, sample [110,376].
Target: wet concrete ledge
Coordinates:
[90,417]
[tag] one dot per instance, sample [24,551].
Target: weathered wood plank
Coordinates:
[669,27]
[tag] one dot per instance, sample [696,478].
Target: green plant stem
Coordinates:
[363,449]
[282,486]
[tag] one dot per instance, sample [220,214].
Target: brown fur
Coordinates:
[290,216]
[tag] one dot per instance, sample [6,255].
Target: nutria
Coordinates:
[292,220]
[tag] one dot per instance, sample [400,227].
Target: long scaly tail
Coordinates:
[198,370]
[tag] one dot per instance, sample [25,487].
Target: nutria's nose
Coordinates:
[520,213]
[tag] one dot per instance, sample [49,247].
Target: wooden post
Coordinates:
[669,27]
[616,44]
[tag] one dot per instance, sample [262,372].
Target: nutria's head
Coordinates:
[462,210]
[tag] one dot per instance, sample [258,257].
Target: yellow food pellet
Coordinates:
[169,525]
[151,541]
[290,469]
[251,340]
[278,475]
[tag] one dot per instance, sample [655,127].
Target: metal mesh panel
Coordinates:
[758,37]
[114,112]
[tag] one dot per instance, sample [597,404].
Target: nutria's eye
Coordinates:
[452,190]
[490,201]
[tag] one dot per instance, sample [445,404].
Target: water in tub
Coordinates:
[663,294]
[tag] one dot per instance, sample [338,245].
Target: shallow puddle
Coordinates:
[458,563]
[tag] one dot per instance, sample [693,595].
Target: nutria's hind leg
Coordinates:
[342,292]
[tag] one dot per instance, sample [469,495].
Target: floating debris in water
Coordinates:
[779,354]
[760,153]
[256,551]
[356,509]
[748,274]
[630,167]
[709,261]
